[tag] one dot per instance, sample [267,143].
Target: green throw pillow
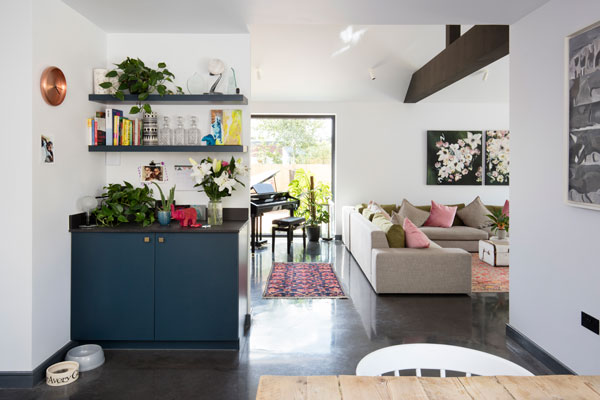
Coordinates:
[394,233]
[389,208]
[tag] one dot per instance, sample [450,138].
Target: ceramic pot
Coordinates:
[164,218]
[313,233]
[215,212]
[501,233]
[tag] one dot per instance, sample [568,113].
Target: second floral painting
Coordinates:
[497,158]
[454,157]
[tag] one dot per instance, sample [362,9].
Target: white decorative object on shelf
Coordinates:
[216,67]
[99,77]
[196,84]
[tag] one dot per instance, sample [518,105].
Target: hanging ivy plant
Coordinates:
[135,77]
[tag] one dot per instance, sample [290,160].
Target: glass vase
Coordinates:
[215,212]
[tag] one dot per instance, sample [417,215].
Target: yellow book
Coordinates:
[90,131]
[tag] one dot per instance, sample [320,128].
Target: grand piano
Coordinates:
[263,200]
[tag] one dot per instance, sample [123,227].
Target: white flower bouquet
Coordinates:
[217,178]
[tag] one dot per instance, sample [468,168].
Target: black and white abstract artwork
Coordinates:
[584,118]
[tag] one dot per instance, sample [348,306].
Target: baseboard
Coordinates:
[542,355]
[338,237]
[28,379]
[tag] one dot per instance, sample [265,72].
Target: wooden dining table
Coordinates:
[346,387]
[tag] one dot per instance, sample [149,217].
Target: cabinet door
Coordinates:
[112,286]
[196,288]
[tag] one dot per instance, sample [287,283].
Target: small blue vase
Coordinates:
[164,217]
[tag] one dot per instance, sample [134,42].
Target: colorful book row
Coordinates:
[110,128]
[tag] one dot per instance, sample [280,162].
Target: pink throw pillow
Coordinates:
[505,208]
[415,239]
[441,216]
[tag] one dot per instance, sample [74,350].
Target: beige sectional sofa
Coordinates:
[404,270]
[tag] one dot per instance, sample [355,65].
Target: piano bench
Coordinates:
[288,225]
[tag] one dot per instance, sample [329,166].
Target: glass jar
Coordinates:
[192,134]
[179,136]
[165,133]
[215,212]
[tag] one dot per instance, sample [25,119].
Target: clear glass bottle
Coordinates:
[165,133]
[179,136]
[192,134]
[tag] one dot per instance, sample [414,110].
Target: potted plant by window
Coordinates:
[164,211]
[313,199]
[217,179]
[499,223]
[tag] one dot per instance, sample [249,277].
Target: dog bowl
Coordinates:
[89,356]
[62,373]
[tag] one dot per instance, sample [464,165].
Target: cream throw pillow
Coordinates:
[475,214]
[407,210]
[378,209]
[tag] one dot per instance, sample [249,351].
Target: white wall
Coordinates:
[554,263]
[381,148]
[15,201]
[184,54]
[63,38]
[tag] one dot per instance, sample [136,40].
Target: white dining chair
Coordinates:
[420,356]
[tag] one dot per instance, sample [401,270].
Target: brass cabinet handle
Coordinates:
[161,240]
[147,239]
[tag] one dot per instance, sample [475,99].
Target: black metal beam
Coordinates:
[452,33]
[478,47]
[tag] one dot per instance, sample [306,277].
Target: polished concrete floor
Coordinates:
[299,337]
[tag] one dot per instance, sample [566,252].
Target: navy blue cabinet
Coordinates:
[196,289]
[159,289]
[112,286]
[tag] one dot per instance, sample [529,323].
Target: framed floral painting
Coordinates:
[454,157]
[497,157]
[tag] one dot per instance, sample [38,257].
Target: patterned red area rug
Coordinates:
[486,278]
[303,280]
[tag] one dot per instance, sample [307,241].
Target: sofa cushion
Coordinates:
[475,214]
[505,209]
[368,214]
[442,216]
[393,232]
[360,207]
[379,209]
[454,233]
[414,238]
[416,215]
[457,220]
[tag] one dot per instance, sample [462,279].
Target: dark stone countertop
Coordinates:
[174,227]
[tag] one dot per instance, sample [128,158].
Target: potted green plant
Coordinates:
[500,223]
[164,211]
[137,78]
[124,204]
[313,198]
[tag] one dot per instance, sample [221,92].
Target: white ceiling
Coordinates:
[233,16]
[304,63]
[293,41]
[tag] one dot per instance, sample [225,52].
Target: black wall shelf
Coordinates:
[177,99]
[172,149]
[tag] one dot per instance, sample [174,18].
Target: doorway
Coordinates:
[283,146]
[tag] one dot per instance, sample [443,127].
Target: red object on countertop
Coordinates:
[185,216]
